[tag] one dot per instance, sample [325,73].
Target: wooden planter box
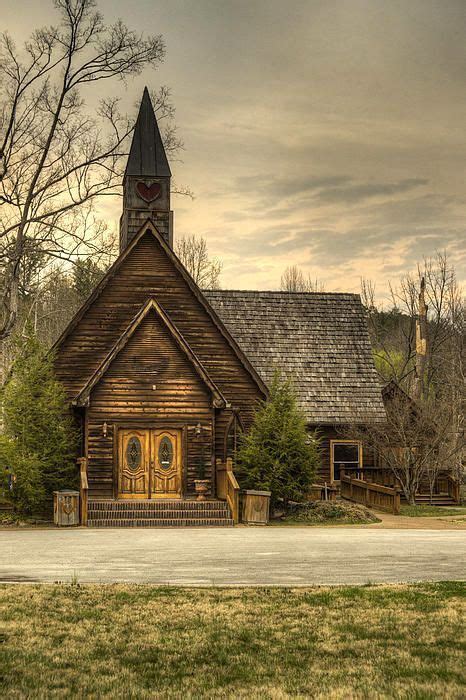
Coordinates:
[256,507]
[315,493]
[66,508]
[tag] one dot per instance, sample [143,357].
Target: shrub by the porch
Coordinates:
[37,451]
[278,454]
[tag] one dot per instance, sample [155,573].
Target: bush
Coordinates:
[39,445]
[329,512]
[278,454]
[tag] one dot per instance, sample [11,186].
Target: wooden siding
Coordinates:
[125,396]
[148,272]
[125,393]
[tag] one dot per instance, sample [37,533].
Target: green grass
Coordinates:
[426,511]
[128,641]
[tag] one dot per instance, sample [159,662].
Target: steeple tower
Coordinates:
[146,183]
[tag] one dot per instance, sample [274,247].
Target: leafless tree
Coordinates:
[415,442]
[423,351]
[294,280]
[55,158]
[193,253]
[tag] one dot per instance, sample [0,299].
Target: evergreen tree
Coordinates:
[86,276]
[278,454]
[40,440]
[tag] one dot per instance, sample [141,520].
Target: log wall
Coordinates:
[125,395]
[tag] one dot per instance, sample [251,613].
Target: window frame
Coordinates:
[235,418]
[332,461]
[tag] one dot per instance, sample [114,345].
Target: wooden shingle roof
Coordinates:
[147,157]
[319,339]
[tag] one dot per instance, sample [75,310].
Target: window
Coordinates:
[233,432]
[344,454]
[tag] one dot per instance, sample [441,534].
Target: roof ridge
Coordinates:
[279,292]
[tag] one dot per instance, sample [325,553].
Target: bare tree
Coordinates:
[55,159]
[415,442]
[294,280]
[193,253]
[420,345]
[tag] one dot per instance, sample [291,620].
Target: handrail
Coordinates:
[83,489]
[453,486]
[232,491]
[369,494]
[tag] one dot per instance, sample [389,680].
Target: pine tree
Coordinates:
[40,440]
[278,454]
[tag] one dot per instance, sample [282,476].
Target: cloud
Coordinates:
[357,192]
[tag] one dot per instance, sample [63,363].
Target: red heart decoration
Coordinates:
[148,192]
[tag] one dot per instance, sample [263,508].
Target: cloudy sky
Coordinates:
[325,133]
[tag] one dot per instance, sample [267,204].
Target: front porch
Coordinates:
[221,510]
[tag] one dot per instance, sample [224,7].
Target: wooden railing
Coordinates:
[233,496]
[369,494]
[83,489]
[227,486]
[453,489]
[383,476]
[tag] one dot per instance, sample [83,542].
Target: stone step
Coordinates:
[161,522]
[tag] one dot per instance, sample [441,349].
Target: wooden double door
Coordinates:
[149,463]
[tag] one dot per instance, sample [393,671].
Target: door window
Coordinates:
[165,453]
[133,453]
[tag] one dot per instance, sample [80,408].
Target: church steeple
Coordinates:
[146,183]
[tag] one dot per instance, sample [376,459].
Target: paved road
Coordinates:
[240,556]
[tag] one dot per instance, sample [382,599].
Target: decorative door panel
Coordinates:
[133,463]
[166,464]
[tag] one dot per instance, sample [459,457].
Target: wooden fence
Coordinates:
[369,494]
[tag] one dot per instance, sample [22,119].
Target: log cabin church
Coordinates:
[163,376]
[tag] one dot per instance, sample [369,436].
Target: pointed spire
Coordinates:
[147,156]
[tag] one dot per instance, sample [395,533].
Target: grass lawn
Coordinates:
[123,641]
[426,511]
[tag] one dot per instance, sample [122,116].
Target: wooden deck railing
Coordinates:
[454,489]
[227,486]
[83,489]
[384,476]
[369,494]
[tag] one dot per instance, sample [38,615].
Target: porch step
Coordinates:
[438,499]
[159,514]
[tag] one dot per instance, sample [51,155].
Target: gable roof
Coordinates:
[321,340]
[152,305]
[149,228]
[147,157]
